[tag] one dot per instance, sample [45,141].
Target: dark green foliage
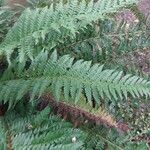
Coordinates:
[99,138]
[42,130]
[38,131]
[109,42]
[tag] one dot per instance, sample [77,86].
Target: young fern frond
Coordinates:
[62,75]
[34,25]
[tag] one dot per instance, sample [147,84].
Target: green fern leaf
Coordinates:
[62,76]
[34,25]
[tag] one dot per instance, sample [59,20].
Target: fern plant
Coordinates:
[39,131]
[42,130]
[36,69]
[110,43]
[64,22]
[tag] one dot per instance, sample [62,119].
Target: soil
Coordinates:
[140,59]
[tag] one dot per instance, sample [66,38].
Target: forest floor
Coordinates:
[141,60]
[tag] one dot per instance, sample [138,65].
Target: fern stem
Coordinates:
[104,139]
[79,42]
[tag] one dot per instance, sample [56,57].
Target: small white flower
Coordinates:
[136,20]
[74,139]
[127,26]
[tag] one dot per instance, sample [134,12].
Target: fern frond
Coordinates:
[42,130]
[34,25]
[62,75]
[39,131]
[81,112]
[110,43]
